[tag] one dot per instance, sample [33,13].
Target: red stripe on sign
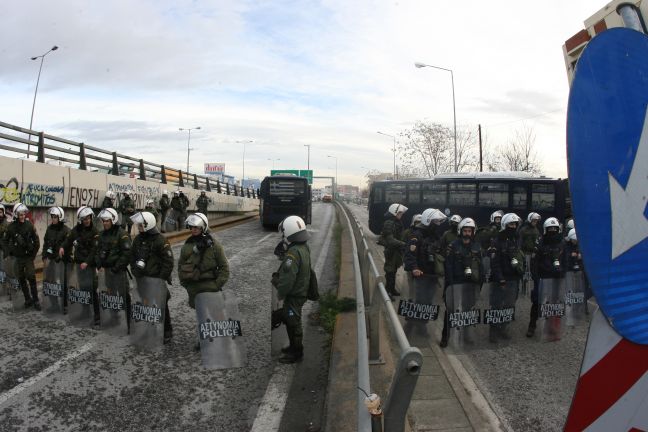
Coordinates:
[604,384]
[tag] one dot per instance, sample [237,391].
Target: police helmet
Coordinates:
[572,235]
[197,220]
[150,202]
[165,192]
[110,194]
[551,222]
[83,212]
[176,193]
[432,215]
[416,219]
[496,214]
[533,216]
[396,208]
[455,219]
[293,228]
[109,214]
[509,218]
[570,225]
[466,223]
[58,212]
[146,219]
[20,208]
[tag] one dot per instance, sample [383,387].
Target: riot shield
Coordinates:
[219,330]
[53,282]
[527,279]
[422,308]
[575,300]
[171,221]
[80,292]
[464,316]
[4,290]
[147,312]
[113,290]
[279,337]
[551,308]
[499,310]
[13,285]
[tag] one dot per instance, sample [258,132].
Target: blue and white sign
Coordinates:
[607,150]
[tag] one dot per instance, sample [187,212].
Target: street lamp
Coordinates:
[454,109]
[273,161]
[308,165]
[188,142]
[336,181]
[244,142]
[394,150]
[31,120]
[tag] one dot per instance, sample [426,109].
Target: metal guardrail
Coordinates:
[371,298]
[52,148]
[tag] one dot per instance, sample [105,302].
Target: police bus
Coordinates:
[282,196]
[474,195]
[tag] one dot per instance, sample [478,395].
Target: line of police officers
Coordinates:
[502,253]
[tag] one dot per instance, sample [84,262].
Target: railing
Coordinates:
[371,297]
[52,148]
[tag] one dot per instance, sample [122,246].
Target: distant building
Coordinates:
[252,183]
[348,191]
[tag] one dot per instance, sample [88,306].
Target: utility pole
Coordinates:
[481,163]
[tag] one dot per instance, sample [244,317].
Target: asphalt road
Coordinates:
[528,383]
[54,376]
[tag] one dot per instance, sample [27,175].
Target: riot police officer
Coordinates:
[450,234]
[424,258]
[292,281]
[486,235]
[164,205]
[529,233]
[202,203]
[108,201]
[55,236]
[202,266]
[152,256]
[391,238]
[3,228]
[114,250]
[462,266]
[548,263]
[177,204]
[83,238]
[23,244]
[407,234]
[507,268]
[127,209]
[150,207]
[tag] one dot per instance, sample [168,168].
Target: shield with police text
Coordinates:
[527,279]
[464,315]
[575,299]
[499,309]
[170,222]
[113,290]
[219,330]
[421,308]
[4,287]
[53,287]
[80,292]
[147,312]
[551,309]
[13,285]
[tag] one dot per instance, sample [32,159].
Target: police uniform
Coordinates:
[127,209]
[84,240]
[391,238]
[292,281]
[507,267]
[107,203]
[177,205]
[151,248]
[23,243]
[54,239]
[113,254]
[165,205]
[202,266]
[154,212]
[202,203]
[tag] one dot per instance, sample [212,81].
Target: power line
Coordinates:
[526,118]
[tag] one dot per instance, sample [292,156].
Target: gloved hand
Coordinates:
[275,279]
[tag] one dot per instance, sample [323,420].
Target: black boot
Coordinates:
[444,332]
[34,294]
[532,320]
[295,354]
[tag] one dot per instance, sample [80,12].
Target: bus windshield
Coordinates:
[287,187]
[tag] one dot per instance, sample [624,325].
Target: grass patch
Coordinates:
[337,238]
[330,306]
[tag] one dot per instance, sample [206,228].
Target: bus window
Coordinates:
[493,195]
[519,197]
[543,197]
[434,194]
[377,194]
[463,194]
[413,193]
[287,188]
[395,193]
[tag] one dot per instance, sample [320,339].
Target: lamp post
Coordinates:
[336,180]
[394,150]
[454,109]
[243,175]
[188,148]
[31,120]
[308,160]
[273,161]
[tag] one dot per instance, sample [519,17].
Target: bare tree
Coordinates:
[426,149]
[519,154]
[467,150]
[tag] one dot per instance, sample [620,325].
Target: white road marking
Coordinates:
[265,238]
[4,397]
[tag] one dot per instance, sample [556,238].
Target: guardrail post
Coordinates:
[115,166]
[195,181]
[163,174]
[82,157]
[375,358]
[218,186]
[248,192]
[41,148]
[180,179]
[227,188]
[401,390]
[208,186]
[236,193]
[142,170]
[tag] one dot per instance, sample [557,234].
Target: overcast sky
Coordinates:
[327,73]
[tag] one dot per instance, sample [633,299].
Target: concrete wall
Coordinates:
[41,186]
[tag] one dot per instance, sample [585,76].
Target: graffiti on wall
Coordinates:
[10,191]
[139,193]
[39,195]
[79,196]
